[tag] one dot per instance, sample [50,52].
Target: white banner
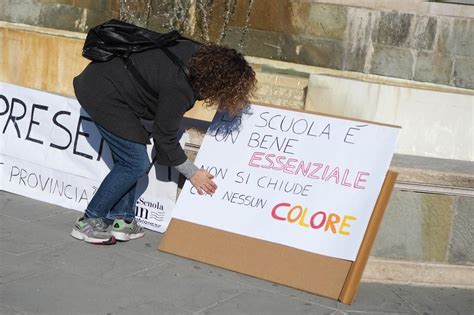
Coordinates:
[292,178]
[50,150]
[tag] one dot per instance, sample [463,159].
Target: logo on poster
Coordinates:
[148,210]
[141,212]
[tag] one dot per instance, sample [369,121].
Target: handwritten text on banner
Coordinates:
[298,179]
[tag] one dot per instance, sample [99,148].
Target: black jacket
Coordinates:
[108,93]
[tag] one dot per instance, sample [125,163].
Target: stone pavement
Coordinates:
[43,270]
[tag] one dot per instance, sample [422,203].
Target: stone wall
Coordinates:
[437,49]
[427,227]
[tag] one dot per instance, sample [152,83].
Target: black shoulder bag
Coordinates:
[116,38]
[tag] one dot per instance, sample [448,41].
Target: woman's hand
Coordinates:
[202,181]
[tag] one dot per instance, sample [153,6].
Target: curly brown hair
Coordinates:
[222,78]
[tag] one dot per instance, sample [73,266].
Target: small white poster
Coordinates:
[293,178]
[50,150]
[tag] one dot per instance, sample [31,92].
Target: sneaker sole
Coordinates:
[97,241]
[123,237]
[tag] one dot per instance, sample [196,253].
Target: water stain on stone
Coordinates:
[437,213]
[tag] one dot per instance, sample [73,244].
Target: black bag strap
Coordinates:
[128,63]
[180,64]
[171,55]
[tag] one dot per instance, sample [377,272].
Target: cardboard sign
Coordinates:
[298,179]
[50,150]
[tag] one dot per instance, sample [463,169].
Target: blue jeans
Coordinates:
[115,198]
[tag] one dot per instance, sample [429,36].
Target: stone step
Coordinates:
[277,79]
[435,172]
[418,273]
[280,92]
